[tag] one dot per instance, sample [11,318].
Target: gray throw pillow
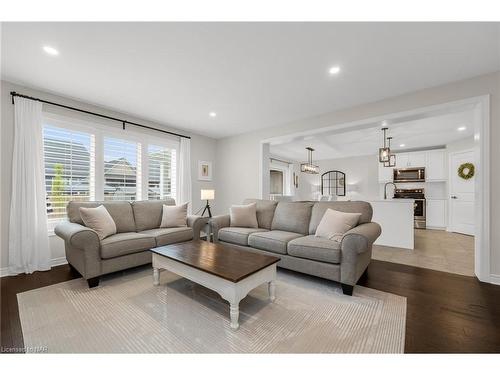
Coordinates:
[174,216]
[335,224]
[98,219]
[244,215]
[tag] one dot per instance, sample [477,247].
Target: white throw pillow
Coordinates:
[174,216]
[244,215]
[99,220]
[335,224]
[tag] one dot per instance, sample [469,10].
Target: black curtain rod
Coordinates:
[124,122]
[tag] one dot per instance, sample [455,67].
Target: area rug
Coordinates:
[126,313]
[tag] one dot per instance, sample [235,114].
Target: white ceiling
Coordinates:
[423,133]
[253,75]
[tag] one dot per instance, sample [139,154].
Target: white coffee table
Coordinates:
[224,268]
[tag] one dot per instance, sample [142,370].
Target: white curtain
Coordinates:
[184,173]
[28,237]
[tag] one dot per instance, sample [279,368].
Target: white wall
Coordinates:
[359,170]
[202,148]
[238,157]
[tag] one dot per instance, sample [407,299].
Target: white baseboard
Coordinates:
[53,263]
[495,279]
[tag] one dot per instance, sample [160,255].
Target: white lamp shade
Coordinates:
[207,195]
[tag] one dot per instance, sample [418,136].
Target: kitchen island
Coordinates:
[395,216]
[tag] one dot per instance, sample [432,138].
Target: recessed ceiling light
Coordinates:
[334,70]
[212,114]
[461,129]
[51,50]
[402,145]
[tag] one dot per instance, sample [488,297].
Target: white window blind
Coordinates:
[161,172]
[122,165]
[68,169]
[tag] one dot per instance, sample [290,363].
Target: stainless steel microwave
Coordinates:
[409,174]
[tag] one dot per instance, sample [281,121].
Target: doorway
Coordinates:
[481,127]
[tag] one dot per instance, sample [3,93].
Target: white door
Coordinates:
[461,195]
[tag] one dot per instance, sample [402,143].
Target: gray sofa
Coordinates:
[286,229]
[138,230]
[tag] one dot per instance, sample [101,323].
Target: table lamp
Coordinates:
[207,195]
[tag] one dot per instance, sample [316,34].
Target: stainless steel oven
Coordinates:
[419,213]
[409,174]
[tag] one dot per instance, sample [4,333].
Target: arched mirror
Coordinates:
[333,183]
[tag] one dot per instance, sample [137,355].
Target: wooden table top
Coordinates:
[222,260]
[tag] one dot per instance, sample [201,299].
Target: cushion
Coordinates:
[174,216]
[335,223]
[98,219]
[292,217]
[126,243]
[167,236]
[237,235]
[315,248]
[275,241]
[148,214]
[120,211]
[319,209]
[244,215]
[265,211]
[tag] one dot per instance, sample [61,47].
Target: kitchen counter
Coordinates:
[395,216]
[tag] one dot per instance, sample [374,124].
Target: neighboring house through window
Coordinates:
[87,162]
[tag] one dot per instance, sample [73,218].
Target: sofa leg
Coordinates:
[93,282]
[347,289]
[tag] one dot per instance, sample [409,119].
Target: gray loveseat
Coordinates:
[138,230]
[286,229]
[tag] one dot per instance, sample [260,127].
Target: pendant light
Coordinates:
[392,157]
[309,167]
[384,152]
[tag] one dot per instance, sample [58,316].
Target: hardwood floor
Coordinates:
[446,313]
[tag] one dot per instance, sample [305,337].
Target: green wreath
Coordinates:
[466,171]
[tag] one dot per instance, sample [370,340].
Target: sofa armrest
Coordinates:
[219,222]
[360,238]
[356,251]
[77,235]
[197,223]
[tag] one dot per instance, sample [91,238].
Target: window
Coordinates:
[88,162]
[68,172]
[121,167]
[161,172]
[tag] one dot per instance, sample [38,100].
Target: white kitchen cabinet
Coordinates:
[435,167]
[434,162]
[436,213]
[410,159]
[385,174]
[402,160]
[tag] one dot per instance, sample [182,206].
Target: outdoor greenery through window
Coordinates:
[67,168]
[88,164]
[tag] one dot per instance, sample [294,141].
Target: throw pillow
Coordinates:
[244,215]
[335,224]
[174,216]
[99,220]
